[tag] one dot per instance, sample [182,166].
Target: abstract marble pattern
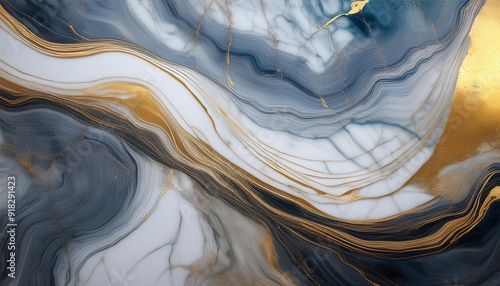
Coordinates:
[260,142]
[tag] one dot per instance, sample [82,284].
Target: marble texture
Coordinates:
[216,142]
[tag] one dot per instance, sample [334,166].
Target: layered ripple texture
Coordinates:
[250,142]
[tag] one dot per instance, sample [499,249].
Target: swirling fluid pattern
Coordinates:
[251,142]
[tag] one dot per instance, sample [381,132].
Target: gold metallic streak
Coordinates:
[474,119]
[495,193]
[200,22]
[168,186]
[356,7]
[28,167]
[229,42]
[76,33]
[323,102]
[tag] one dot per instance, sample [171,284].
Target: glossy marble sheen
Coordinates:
[261,142]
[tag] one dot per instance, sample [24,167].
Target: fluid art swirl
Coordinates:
[257,142]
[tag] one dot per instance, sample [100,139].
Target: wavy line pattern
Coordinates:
[223,142]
